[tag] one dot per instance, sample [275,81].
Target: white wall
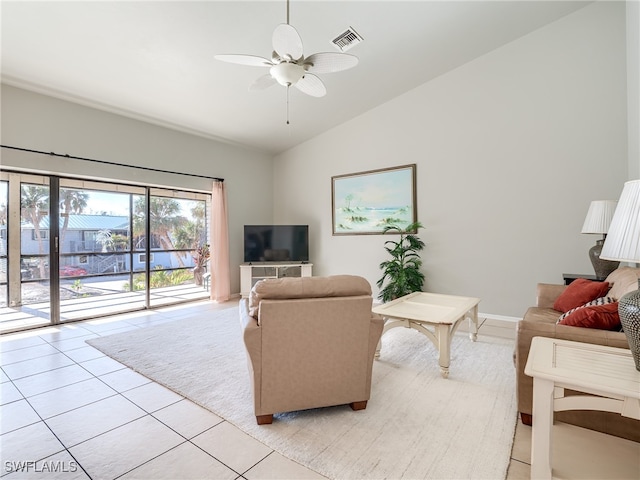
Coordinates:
[510,150]
[633,86]
[38,122]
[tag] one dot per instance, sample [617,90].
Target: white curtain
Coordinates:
[220,279]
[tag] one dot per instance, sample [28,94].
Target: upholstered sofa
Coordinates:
[541,321]
[310,343]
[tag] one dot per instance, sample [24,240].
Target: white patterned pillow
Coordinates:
[597,301]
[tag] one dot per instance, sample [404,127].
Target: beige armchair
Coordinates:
[310,343]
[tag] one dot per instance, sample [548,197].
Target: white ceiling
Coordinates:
[153,60]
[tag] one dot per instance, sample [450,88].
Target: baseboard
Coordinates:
[503,318]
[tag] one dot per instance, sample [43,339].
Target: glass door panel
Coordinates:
[96,252]
[178,247]
[4,278]
[35,290]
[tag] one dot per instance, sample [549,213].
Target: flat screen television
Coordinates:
[276,243]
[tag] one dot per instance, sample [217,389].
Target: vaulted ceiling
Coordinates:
[154,60]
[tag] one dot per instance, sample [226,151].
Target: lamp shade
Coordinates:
[599,216]
[623,239]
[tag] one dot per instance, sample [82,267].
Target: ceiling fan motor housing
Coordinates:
[287,73]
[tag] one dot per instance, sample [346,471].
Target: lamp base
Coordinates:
[629,310]
[602,267]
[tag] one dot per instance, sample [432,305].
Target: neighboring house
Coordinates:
[81,234]
[84,245]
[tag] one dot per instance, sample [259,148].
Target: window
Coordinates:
[44,235]
[142,258]
[89,236]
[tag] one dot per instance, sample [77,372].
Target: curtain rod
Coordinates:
[53,154]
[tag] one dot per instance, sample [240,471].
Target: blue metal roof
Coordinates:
[87,222]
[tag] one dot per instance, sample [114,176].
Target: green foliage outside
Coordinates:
[160,278]
[402,272]
[171,229]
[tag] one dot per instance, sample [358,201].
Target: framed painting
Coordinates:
[365,203]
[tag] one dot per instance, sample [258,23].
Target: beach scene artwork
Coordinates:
[367,202]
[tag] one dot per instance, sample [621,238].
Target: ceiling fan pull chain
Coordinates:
[287,104]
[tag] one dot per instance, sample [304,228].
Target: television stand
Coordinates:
[250,273]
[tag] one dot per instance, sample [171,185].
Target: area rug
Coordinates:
[417,424]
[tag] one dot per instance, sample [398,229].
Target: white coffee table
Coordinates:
[607,372]
[434,315]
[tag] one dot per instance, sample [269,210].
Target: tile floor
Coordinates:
[67,411]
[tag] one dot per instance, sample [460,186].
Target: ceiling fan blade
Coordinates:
[262,83]
[251,60]
[287,42]
[329,62]
[311,85]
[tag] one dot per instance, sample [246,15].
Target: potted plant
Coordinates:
[402,273]
[200,260]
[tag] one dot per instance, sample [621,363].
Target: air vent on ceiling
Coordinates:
[347,40]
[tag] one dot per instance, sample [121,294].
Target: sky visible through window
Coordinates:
[108,203]
[102,203]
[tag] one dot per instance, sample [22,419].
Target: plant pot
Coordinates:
[198,273]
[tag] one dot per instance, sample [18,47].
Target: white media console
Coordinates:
[250,273]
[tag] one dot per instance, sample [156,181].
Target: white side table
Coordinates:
[558,364]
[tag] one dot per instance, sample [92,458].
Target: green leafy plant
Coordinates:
[159,278]
[402,273]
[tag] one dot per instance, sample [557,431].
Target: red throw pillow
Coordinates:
[578,293]
[602,317]
[592,303]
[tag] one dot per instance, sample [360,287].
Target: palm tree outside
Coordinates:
[71,202]
[34,206]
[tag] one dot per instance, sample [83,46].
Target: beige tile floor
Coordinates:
[67,411]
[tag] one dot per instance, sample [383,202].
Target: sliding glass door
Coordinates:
[113,248]
[177,223]
[96,249]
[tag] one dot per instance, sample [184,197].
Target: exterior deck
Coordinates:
[104,300]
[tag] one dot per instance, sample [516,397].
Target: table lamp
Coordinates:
[597,221]
[623,244]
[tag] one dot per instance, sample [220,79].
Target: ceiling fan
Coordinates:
[288,66]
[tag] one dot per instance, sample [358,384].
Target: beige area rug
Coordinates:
[416,425]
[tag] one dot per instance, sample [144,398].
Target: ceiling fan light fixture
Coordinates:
[289,67]
[287,73]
